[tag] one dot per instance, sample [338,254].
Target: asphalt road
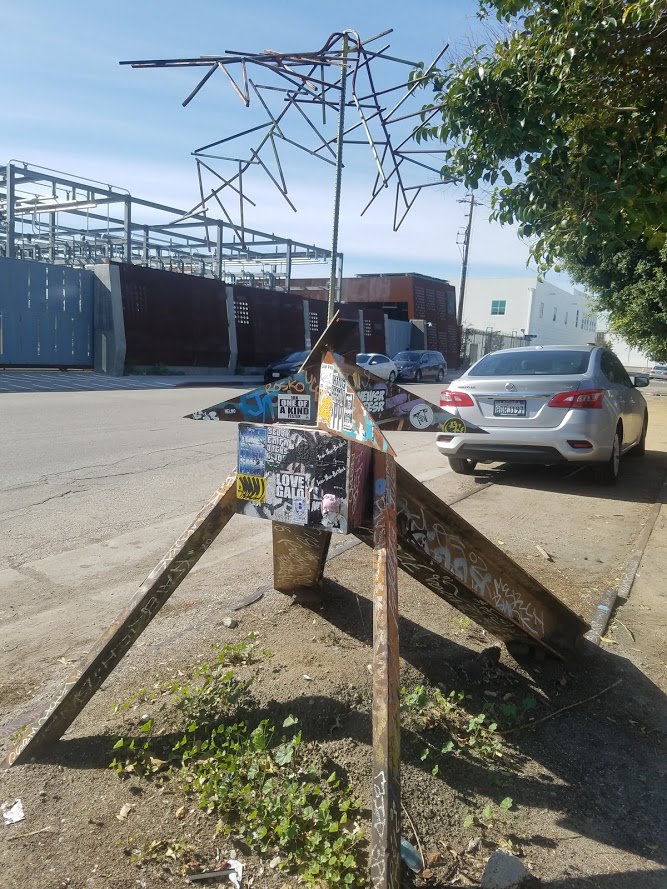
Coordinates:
[95,487]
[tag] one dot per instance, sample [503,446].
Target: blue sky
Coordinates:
[68,105]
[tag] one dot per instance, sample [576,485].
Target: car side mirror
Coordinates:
[640,381]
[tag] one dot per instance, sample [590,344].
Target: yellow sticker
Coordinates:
[251,487]
[324,409]
[454,425]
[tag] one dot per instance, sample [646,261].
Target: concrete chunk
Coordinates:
[505,871]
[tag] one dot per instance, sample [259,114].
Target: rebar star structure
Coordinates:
[317,88]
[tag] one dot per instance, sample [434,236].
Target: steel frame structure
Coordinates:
[50,216]
[340,76]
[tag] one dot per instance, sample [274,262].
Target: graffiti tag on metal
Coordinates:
[290,400]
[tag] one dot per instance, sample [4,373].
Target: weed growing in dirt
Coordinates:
[509,714]
[431,710]
[171,854]
[256,781]
[489,814]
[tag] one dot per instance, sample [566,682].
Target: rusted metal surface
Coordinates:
[174,319]
[386,790]
[458,563]
[299,555]
[341,411]
[131,622]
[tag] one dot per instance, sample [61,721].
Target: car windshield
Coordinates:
[407,356]
[517,364]
[363,358]
[661,367]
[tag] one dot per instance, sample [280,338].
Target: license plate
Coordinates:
[275,376]
[507,408]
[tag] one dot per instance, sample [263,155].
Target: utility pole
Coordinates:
[464,267]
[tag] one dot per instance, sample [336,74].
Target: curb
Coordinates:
[610,597]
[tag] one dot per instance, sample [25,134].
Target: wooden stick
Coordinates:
[562,710]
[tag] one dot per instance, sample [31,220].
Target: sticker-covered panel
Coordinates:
[290,400]
[394,408]
[293,474]
[340,411]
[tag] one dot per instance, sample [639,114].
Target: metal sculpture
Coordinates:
[335,473]
[339,77]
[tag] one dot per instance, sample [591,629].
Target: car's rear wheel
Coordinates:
[392,376]
[640,448]
[441,375]
[462,466]
[607,473]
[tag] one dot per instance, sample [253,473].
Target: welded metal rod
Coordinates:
[131,622]
[386,790]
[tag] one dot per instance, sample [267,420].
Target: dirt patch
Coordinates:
[587,785]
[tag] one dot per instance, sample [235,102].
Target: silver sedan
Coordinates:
[547,405]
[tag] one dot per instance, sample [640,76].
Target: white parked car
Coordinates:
[548,405]
[380,365]
[658,372]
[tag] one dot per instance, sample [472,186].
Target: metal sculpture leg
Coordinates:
[299,556]
[133,620]
[386,790]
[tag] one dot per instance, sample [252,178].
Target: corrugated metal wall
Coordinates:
[46,315]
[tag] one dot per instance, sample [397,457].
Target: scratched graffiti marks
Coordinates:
[290,400]
[303,476]
[385,827]
[132,621]
[299,556]
[340,410]
[456,555]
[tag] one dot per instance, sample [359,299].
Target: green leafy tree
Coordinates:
[562,117]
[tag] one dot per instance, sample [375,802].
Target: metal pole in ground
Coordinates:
[386,790]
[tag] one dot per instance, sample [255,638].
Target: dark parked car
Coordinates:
[285,366]
[419,364]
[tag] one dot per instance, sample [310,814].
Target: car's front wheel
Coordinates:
[441,375]
[418,377]
[462,466]
[392,376]
[607,473]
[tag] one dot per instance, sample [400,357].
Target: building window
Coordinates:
[541,310]
[498,306]
[555,312]
[576,320]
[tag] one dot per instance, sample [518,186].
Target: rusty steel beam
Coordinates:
[457,562]
[131,622]
[386,789]
[299,556]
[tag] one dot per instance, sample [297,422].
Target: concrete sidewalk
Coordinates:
[638,627]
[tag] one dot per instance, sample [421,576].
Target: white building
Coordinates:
[545,313]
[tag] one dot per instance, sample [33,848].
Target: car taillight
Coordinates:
[450,398]
[584,398]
